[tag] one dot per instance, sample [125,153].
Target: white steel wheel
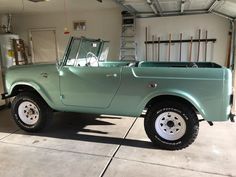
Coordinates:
[170,126]
[28,113]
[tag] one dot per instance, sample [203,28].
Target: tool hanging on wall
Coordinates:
[206,46]
[146,46]
[190,48]
[159,39]
[180,46]
[183,41]
[153,48]
[169,47]
[199,45]
[156,40]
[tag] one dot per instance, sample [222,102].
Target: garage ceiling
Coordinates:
[142,8]
[149,8]
[25,6]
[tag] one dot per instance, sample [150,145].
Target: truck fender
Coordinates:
[176,93]
[35,86]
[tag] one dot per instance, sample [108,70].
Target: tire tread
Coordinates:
[46,111]
[185,108]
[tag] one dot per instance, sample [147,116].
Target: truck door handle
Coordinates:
[111,75]
[152,85]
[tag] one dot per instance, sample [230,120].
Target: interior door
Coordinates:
[89,86]
[44,46]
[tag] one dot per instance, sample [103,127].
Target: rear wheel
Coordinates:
[30,112]
[171,125]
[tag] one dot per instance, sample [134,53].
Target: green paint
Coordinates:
[115,88]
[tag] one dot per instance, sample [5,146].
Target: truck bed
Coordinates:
[179,64]
[160,64]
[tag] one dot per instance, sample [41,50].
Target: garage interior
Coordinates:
[76,144]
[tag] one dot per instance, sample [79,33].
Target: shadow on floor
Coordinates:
[73,126]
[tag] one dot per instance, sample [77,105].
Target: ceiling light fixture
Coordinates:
[38,0]
[182,6]
[66,31]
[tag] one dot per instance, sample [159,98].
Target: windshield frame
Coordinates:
[70,43]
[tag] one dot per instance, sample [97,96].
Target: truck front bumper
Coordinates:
[5,96]
[232,117]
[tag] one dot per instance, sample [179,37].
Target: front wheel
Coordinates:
[30,112]
[171,125]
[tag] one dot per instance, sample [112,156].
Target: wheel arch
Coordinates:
[179,97]
[22,88]
[171,98]
[28,87]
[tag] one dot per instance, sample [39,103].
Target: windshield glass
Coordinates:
[82,48]
[72,52]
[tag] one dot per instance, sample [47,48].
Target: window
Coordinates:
[73,51]
[86,52]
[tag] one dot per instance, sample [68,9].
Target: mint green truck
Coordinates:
[175,96]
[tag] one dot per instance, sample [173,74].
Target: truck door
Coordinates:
[87,86]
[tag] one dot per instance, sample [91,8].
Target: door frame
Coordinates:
[31,40]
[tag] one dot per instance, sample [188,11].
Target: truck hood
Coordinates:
[31,73]
[31,66]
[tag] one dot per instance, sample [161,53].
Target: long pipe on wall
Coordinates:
[232,54]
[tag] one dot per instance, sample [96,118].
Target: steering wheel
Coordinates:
[193,65]
[91,60]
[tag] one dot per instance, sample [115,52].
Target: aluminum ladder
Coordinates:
[128,46]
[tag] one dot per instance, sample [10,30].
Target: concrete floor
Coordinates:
[110,146]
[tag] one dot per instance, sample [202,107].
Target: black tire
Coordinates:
[158,120]
[38,112]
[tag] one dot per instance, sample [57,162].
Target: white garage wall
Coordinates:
[104,24]
[217,27]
